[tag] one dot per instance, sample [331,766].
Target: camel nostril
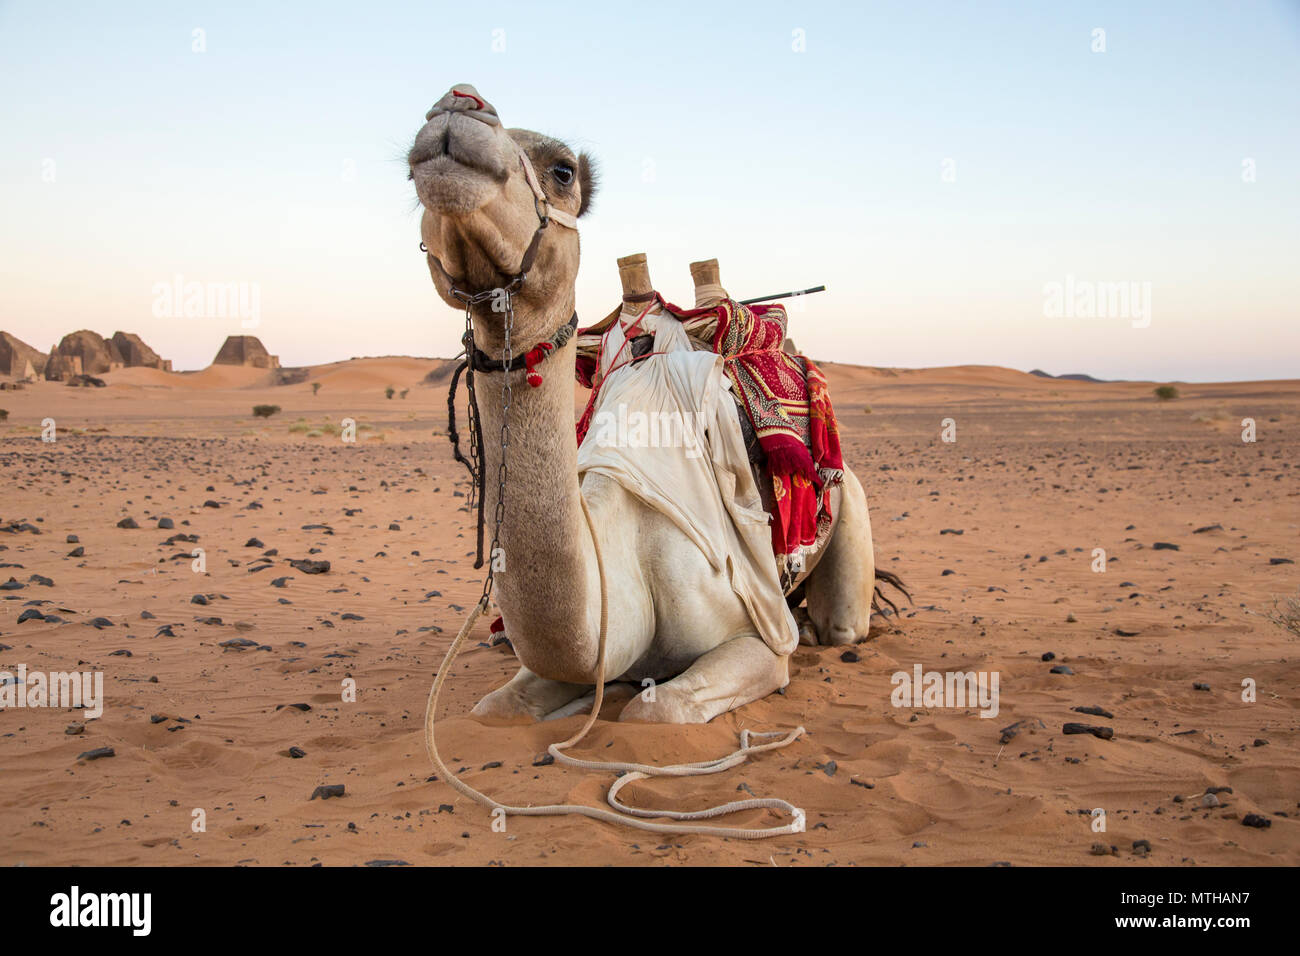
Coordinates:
[470,96]
[463,98]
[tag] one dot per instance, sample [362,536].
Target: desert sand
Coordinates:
[993,533]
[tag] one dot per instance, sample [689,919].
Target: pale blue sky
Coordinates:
[274,158]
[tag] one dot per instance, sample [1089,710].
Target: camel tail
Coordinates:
[894,581]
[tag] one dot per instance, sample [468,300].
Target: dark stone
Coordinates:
[1255,820]
[327,791]
[97,753]
[307,566]
[1094,712]
[1101,733]
[127,523]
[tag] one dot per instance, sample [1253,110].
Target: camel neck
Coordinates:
[542,566]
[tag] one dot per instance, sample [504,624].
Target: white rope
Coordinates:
[622,813]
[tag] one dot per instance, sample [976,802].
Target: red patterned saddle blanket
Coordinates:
[783,396]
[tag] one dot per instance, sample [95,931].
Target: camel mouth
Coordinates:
[449,187]
[458,162]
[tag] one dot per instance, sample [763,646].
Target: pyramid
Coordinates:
[18,359]
[247,351]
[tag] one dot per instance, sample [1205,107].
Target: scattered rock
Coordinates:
[1094,712]
[307,566]
[1101,733]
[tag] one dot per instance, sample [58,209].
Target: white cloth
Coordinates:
[666,430]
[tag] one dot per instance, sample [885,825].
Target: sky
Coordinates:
[975,183]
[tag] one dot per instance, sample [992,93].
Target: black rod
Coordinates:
[783,295]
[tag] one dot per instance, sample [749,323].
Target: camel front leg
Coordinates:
[727,677]
[527,695]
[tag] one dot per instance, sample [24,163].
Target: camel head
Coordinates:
[481,211]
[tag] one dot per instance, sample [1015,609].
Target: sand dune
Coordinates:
[994,534]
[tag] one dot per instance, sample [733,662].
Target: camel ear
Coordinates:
[589,179]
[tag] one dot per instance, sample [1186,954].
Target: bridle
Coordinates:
[476,360]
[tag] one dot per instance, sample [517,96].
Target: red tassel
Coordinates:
[532,358]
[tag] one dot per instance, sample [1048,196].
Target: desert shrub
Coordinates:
[402,393]
[265,411]
[1286,614]
[389,391]
[1166,393]
[4,414]
[299,428]
[329,428]
[314,433]
[315,387]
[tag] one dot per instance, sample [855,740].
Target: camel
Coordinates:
[672,618]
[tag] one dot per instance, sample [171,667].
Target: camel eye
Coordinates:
[563,173]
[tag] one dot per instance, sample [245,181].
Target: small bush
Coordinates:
[299,428]
[402,393]
[329,428]
[1166,393]
[265,411]
[1286,615]
[4,414]
[315,387]
[390,391]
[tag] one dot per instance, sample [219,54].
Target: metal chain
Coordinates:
[502,471]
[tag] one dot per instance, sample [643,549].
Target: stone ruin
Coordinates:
[87,353]
[135,354]
[18,360]
[247,351]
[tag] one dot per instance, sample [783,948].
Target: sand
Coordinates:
[1042,472]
